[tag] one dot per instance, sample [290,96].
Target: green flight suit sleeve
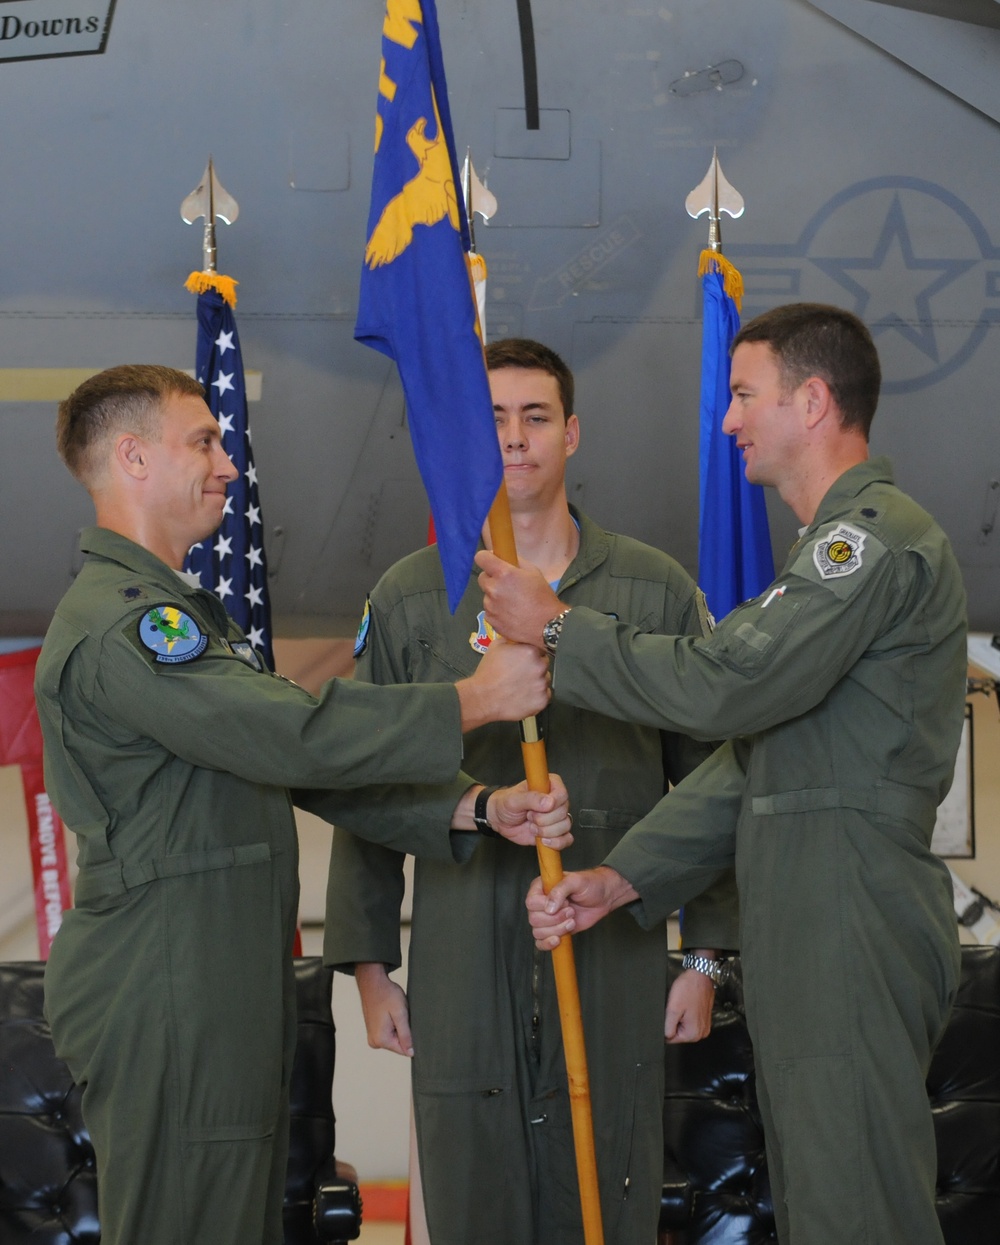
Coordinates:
[686,842]
[768,661]
[218,713]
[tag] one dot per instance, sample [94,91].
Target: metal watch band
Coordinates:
[483,826]
[716,970]
[552,631]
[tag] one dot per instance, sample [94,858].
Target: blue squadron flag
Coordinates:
[232,563]
[735,561]
[416,302]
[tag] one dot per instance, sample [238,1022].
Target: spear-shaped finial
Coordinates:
[477,198]
[209,199]
[714,195]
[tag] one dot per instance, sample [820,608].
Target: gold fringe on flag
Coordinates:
[732,282]
[477,266]
[199,282]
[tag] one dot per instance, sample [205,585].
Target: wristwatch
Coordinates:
[552,631]
[717,970]
[479,814]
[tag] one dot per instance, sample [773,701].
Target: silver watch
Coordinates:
[552,631]
[717,970]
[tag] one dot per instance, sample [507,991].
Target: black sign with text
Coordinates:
[39,29]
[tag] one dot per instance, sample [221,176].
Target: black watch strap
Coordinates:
[479,814]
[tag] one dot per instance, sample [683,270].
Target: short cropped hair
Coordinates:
[120,399]
[814,339]
[523,352]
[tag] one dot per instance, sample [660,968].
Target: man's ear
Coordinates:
[572,435]
[819,401]
[131,455]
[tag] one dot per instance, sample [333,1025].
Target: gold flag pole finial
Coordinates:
[211,200]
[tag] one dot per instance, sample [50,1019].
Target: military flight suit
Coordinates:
[489,1080]
[841,689]
[168,751]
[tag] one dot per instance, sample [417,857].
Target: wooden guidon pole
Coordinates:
[536,771]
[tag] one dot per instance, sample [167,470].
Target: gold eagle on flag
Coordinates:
[425,199]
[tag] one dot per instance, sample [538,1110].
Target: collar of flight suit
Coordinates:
[103,543]
[847,487]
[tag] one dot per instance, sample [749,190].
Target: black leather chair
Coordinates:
[48,1187]
[716,1189]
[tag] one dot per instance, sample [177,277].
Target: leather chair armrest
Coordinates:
[338,1205]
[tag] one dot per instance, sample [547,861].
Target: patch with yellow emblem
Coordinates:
[481,640]
[171,635]
[839,553]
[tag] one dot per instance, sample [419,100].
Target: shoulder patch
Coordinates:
[361,639]
[481,639]
[246,652]
[171,635]
[840,552]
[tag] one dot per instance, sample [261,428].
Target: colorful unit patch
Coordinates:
[171,635]
[361,640]
[840,553]
[481,640]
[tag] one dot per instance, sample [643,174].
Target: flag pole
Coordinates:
[536,769]
[413,273]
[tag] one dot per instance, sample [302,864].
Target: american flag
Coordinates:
[232,564]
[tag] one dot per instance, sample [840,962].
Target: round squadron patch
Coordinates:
[481,640]
[839,553]
[361,639]
[171,635]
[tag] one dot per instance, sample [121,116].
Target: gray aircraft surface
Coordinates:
[862,134]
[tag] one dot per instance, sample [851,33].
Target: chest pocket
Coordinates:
[432,662]
[748,639]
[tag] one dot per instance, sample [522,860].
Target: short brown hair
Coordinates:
[523,352]
[120,399]
[814,339]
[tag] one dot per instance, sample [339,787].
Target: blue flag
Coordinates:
[735,561]
[416,302]
[232,563]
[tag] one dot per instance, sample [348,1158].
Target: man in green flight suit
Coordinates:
[169,748]
[841,692]
[480,1016]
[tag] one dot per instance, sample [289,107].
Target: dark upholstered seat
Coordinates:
[48,1187]
[716,1189]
